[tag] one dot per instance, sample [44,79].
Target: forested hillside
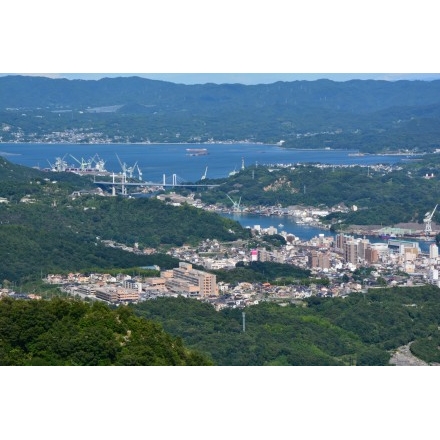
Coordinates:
[66,332]
[43,228]
[365,115]
[382,196]
[362,329]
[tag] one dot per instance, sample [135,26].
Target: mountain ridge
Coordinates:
[134,109]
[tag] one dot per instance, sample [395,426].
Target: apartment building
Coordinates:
[187,280]
[114,295]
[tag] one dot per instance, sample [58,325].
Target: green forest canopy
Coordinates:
[69,332]
[360,329]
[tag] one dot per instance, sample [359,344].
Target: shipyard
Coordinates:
[92,166]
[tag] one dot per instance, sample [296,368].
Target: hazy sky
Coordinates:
[173,36]
[246,78]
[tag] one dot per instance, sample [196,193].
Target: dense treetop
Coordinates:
[361,329]
[382,196]
[66,332]
[57,232]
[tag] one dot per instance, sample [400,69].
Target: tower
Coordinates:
[428,220]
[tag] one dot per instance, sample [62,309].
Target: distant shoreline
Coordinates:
[199,143]
[148,143]
[395,153]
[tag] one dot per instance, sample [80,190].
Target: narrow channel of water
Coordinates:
[302,231]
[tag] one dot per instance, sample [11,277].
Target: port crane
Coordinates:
[123,166]
[83,164]
[139,172]
[428,220]
[126,169]
[204,175]
[59,165]
[235,205]
[99,163]
[131,169]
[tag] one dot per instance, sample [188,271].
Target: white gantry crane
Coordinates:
[428,220]
[59,165]
[123,166]
[99,163]
[130,170]
[139,172]
[126,170]
[235,205]
[84,165]
[204,175]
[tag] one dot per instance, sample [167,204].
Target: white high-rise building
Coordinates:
[433,251]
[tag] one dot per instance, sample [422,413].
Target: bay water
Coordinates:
[157,160]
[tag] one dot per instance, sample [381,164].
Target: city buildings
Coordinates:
[188,281]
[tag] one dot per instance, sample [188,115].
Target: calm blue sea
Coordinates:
[155,160]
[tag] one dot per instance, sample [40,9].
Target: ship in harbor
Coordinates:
[197,151]
[94,166]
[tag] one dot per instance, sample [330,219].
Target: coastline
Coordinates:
[352,153]
[148,143]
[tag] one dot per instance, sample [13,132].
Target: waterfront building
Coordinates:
[271,230]
[403,247]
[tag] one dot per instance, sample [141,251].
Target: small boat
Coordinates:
[197,151]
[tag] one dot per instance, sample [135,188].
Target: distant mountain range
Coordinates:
[362,114]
